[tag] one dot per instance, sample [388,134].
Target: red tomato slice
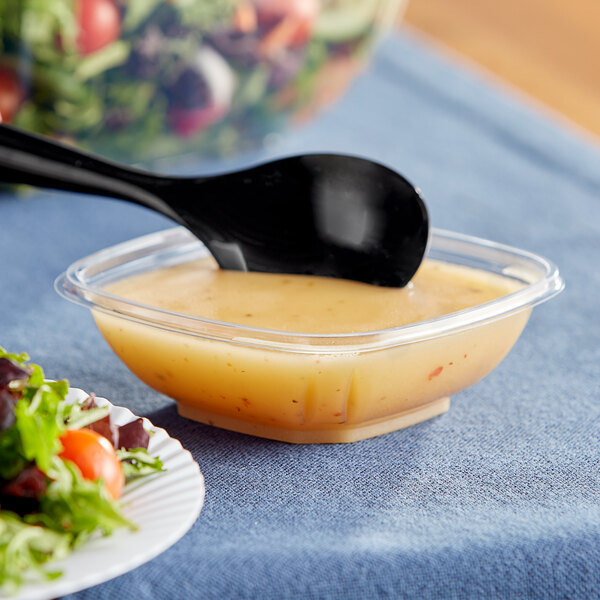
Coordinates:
[306,10]
[99,24]
[95,457]
[11,94]
[295,21]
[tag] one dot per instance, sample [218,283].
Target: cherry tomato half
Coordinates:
[11,94]
[296,19]
[99,24]
[95,457]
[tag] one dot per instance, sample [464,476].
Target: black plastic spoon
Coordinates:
[319,214]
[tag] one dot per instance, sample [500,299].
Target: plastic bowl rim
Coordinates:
[70,286]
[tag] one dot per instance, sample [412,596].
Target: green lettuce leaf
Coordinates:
[139,463]
[25,547]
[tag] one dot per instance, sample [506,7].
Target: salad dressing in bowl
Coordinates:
[310,304]
[277,356]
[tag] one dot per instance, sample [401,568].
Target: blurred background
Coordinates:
[140,80]
[144,80]
[549,49]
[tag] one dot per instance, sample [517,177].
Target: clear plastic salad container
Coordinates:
[299,387]
[136,80]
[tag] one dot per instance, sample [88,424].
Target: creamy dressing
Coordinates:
[300,395]
[308,304]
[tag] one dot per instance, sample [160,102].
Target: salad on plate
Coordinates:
[63,468]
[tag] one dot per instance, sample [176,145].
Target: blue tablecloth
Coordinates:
[497,498]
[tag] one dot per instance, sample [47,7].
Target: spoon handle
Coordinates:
[30,159]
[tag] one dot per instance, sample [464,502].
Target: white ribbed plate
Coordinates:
[164,506]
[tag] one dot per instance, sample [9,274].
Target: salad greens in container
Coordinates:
[136,80]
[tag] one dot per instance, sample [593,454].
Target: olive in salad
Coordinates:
[63,467]
[137,80]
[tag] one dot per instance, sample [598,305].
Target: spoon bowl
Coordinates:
[318,214]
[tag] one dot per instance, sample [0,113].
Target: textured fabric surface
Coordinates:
[497,498]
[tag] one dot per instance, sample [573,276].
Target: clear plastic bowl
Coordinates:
[299,387]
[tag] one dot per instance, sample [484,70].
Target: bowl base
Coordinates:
[331,435]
